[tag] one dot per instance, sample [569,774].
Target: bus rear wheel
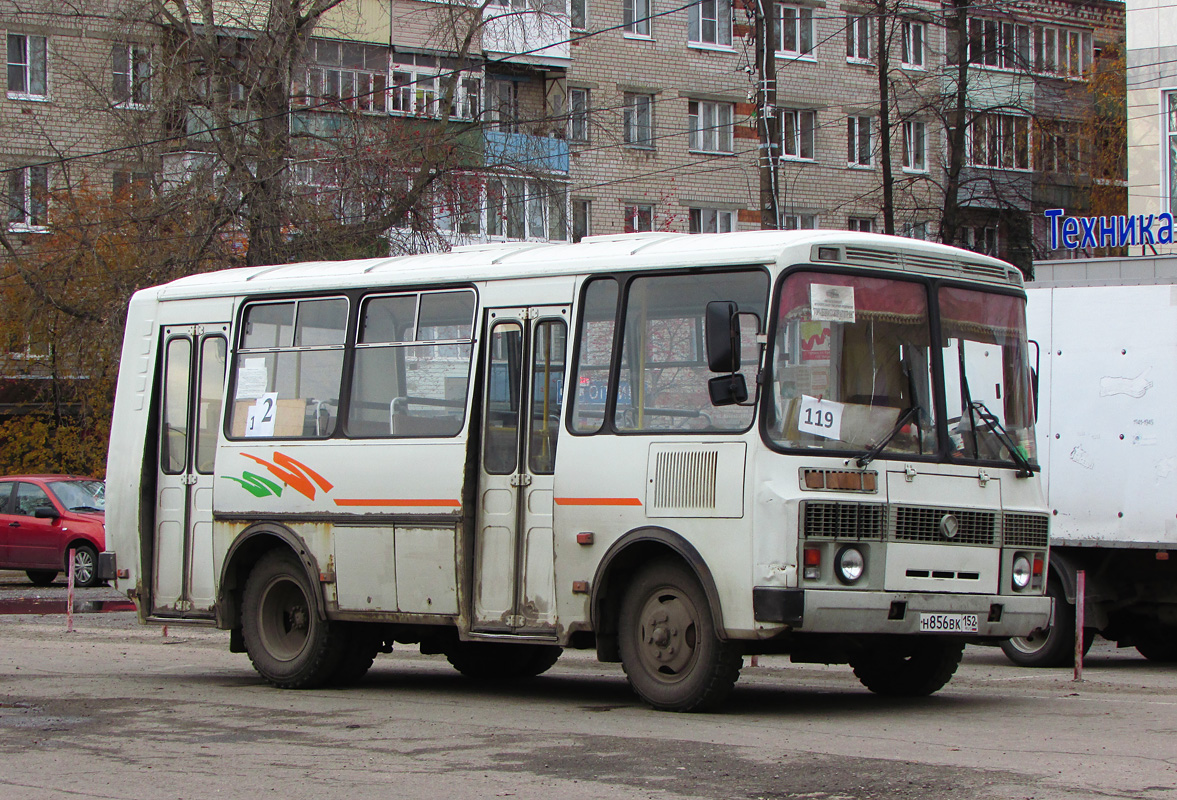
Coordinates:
[493,662]
[360,645]
[1158,644]
[913,668]
[670,650]
[289,645]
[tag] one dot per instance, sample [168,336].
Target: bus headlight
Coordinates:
[1022,572]
[849,565]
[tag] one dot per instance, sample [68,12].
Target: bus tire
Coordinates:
[670,650]
[289,645]
[493,662]
[911,668]
[359,649]
[1053,646]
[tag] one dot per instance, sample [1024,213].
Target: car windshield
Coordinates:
[80,495]
[850,367]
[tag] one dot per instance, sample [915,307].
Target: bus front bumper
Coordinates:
[840,611]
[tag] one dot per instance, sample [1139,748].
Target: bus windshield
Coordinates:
[852,370]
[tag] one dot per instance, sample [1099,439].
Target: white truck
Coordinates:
[1106,331]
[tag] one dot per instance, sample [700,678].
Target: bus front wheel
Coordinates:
[912,668]
[670,650]
[288,643]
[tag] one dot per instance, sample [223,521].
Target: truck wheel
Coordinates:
[1159,645]
[670,650]
[492,662]
[289,645]
[1053,646]
[913,668]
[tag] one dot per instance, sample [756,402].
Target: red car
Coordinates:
[43,516]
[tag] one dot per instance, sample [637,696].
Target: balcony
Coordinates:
[526,153]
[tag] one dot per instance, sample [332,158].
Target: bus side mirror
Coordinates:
[722,336]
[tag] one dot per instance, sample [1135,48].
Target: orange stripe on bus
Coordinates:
[598,501]
[408,502]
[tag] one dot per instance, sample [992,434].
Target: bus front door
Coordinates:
[523,384]
[189,419]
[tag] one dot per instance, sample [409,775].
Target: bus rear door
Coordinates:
[514,563]
[190,413]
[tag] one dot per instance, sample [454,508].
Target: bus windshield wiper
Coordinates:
[994,424]
[873,453]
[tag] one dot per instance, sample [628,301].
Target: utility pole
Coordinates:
[767,117]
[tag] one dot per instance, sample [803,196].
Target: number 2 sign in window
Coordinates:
[259,420]
[820,417]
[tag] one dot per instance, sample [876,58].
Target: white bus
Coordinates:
[677,450]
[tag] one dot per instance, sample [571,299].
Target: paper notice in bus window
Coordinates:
[252,379]
[820,417]
[831,303]
[259,419]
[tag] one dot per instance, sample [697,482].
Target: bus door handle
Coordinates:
[522,479]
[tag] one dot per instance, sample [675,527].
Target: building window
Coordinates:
[581,219]
[915,146]
[1058,51]
[794,30]
[416,88]
[28,74]
[913,44]
[710,22]
[349,74]
[857,38]
[710,126]
[861,224]
[503,104]
[639,217]
[131,74]
[712,220]
[638,119]
[131,185]
[1058,147]
[858,141]
[519,209]
[999,140]
[1171,149]
[578,14]
[915,230]
[1004,45]
[636,17]
[578,115]
[797,133]
[980,239]
[800,222]
[28,198]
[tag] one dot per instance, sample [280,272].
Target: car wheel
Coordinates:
[41,577]
[670,649]
[85,566]
[289,644]
[912,668]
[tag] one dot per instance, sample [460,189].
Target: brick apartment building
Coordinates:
[600,117]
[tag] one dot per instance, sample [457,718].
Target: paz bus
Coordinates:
[674,449]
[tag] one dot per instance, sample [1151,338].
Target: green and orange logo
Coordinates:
[295,474]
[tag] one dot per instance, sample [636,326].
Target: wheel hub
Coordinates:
[668,635]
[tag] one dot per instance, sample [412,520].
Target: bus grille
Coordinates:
[1026,530]
[843,520]
[920,524]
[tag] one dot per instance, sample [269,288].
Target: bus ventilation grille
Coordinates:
[843,520]
[1026,530]
[921,524]
[685,480]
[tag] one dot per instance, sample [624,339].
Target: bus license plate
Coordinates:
[948,623]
